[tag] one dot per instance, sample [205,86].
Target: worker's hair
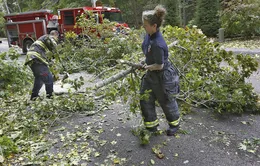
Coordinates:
[54,33]
[155,16]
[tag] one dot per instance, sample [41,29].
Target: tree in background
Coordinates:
[16,6]
[207,18]
[173,16]
[68,4]
[240,18]
[2,32]
[188,8]
[131,11]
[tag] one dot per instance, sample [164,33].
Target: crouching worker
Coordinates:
[38,61]
[161,77]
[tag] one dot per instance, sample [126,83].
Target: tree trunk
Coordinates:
[6,6]
[18,6]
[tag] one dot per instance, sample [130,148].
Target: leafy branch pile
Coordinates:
[14,78]
[210,77]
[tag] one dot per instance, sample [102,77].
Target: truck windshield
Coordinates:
[113,16]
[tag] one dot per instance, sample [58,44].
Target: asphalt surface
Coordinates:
[209,139]
[4,45]
[243,51]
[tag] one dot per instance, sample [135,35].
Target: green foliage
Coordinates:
[17,6]
[187,10]
[211,77]
[13,77]
[250,145]
[240,18]
[143,135]
[68,4]
[205,80]
[172,17]
[2,22]
[70,103]
[7,146]
[132,11]
[207,17]
[111,46]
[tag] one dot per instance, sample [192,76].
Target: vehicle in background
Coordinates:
[68,17]
[23,29]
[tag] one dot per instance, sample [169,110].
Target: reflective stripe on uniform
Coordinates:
[40,43]
[37,55]
[175,123]
[151,124]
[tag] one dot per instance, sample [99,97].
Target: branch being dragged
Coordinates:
[113,78]
[119,75]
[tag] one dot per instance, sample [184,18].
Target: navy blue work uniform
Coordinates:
[164,84]
[38,62]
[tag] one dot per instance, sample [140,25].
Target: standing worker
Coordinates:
[39,61]
[161,77]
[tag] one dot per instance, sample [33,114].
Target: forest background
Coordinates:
[238,17]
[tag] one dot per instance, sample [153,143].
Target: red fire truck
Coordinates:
[23,29]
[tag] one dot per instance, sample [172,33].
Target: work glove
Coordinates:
[142,65]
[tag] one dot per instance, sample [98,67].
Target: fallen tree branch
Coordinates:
[174,44]
[119,75]
[103,72]
[113,78]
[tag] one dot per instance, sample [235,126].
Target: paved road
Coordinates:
[3,46]
[211,140]
[243,51]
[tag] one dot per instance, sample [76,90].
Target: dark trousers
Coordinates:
[163,85]
[42,75]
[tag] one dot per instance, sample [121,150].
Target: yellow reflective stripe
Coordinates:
[41,44]
[151,124]
[175,123]
[36,54]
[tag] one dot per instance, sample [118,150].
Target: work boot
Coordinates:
[49,96]
[152,129]
[34,97]
[172,130]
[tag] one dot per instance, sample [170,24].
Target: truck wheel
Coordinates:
[27,44]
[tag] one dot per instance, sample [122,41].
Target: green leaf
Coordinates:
[2,159]
[242,146]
